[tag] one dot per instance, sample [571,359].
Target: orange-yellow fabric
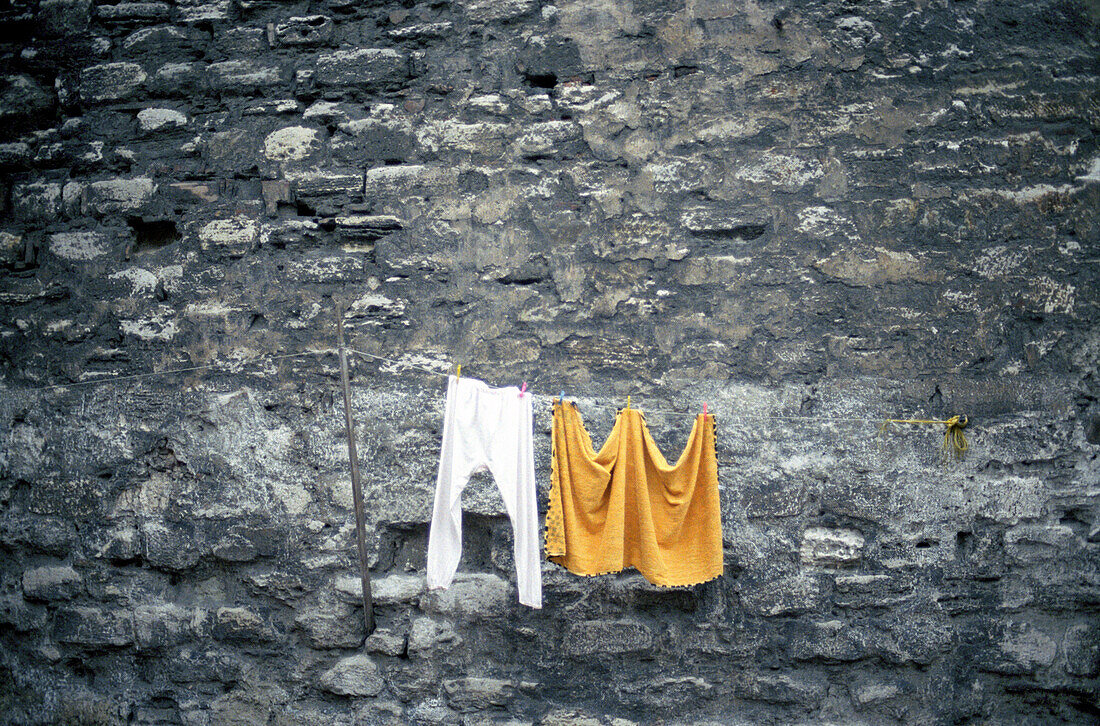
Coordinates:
[627,507]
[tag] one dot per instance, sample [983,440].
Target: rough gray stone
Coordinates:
[160,626]
[427,636]
[52,583]
[610,637]
[111,82]
[386,643]
[478,694]
[234,237]
[37,201]
[79,246]
[305,30]
[159,119]
[790,214]
[355,675]
[117,195]
[242,76]
[339,626]
[367,68]
[241,624]
[93,627]
[825,547]
[473,595]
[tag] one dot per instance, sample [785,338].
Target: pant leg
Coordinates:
[512,462]
[445,532]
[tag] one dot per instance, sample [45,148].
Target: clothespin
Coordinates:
[628,403]
[458,373]
[704,410]
[522,389]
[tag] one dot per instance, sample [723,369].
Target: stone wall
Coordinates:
[807,215]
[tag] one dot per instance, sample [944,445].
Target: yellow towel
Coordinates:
[627,507]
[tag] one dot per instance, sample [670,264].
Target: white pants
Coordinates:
[486,429]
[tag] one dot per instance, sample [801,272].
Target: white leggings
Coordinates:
[486,429]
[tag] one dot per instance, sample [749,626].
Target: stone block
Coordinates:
[111,82]
[866,694]
[52,583]
[472,595]
[422,31]
[910,638]
[78,246]
[112,196]
[168,546]
[292,144]
[549,138]
[157,323]
[785,596]
[475,695]
[36,201]
[355,675]
[826,547]
[724,223]
[1081,647]
[233,237]
[161,626]
[830,640]
[235,151]
[179,79]
[321,184]
[133,12]
[23,99]
[368,68]
[338,625]
[12,248]
[803,688]
[93,627]
[483,139]
[203,11]
[252,703]
[160,119]
[1028,543]
[388,590]
[234,548]
[60,18]
[16,154]
[241,41]
[608,637]
[163,39]
[1018,648]
[304,30]
[373,139]
[241,624]
[120,543]
[386,642]
[22,616]
[190,665]
[427,636]
[240,76]
[488,11]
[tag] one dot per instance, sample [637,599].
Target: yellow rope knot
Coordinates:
[954,441]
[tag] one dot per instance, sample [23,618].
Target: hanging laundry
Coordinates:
[627,507]
[486,429]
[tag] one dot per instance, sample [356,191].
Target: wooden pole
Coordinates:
[356,489]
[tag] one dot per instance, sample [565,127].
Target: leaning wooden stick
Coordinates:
[356,489]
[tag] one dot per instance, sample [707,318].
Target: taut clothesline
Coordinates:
[954,425]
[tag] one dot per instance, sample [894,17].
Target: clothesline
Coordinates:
[429,371]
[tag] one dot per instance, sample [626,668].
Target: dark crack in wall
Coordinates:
[838,210]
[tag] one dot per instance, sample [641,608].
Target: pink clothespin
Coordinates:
[704,409]
[522,389]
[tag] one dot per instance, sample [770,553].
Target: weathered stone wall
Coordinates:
[842,210]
